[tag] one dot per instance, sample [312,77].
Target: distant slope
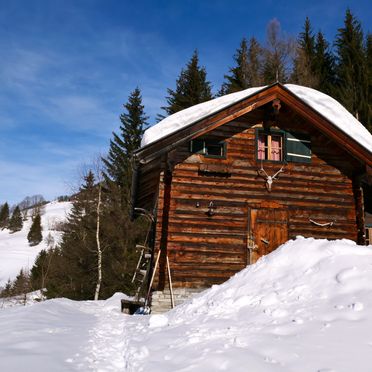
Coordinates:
[15,252]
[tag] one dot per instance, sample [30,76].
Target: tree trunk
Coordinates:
[99,252]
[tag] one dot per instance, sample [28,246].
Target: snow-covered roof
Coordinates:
[320,102]
[335,113]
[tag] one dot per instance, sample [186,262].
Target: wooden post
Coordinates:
[170,284]
[359,210]
[152,278]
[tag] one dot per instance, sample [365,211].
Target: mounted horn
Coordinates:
[269,179]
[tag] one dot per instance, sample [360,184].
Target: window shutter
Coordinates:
[298,147]
[197,146]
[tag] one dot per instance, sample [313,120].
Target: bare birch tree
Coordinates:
[99,177]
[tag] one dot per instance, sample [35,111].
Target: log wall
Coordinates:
[204,249]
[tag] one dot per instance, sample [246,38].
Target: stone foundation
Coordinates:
[161,300]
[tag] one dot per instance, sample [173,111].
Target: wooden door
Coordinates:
[268,229]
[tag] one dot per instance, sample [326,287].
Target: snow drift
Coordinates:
[305,307]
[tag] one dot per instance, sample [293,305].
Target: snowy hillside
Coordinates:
[305,307]
[15,252]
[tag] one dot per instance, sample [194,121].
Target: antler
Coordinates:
[269,179]
[279,171]
[262,171]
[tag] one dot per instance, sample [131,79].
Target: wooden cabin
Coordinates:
[231,179]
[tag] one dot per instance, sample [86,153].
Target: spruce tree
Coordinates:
[119,234]
[246,72]
[16,222]
[303,64]
[7,291]
[192,87]
[239,75]
[4,216]
[21,284]
[41,269]
[324,65]
[73,263]
[122,146]
[35,235]
[352,84]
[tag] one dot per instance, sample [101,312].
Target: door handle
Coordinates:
[265,241]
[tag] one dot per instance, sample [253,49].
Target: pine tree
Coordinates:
[303,65]
[351,68]
[192,87]
[16,222]
[21,284]
[4,216]
[35,235]
[40,270]
[122,146]
[246,73]
[324,65]
[239,75]
[118,233]
[7,291]
[73,263]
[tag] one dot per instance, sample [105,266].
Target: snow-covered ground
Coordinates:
[15,252]
[305,307]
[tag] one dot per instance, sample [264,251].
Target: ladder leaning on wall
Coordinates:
[142,270]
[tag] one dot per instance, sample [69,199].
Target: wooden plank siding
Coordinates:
[204,250]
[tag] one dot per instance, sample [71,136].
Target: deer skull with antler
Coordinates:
[269,179]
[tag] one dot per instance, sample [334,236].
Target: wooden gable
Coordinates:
[246,105]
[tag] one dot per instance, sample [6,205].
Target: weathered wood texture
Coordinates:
[149,177]
[205,249]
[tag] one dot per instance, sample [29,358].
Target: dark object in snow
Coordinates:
[131,306]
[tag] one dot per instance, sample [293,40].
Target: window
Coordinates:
[276,145]
[208,147]
[270,146]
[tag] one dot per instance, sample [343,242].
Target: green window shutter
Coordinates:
[197,146]
[298,147]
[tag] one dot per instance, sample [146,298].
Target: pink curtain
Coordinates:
[276,150]
[261,147]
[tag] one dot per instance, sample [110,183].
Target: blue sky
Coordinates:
[67,66]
